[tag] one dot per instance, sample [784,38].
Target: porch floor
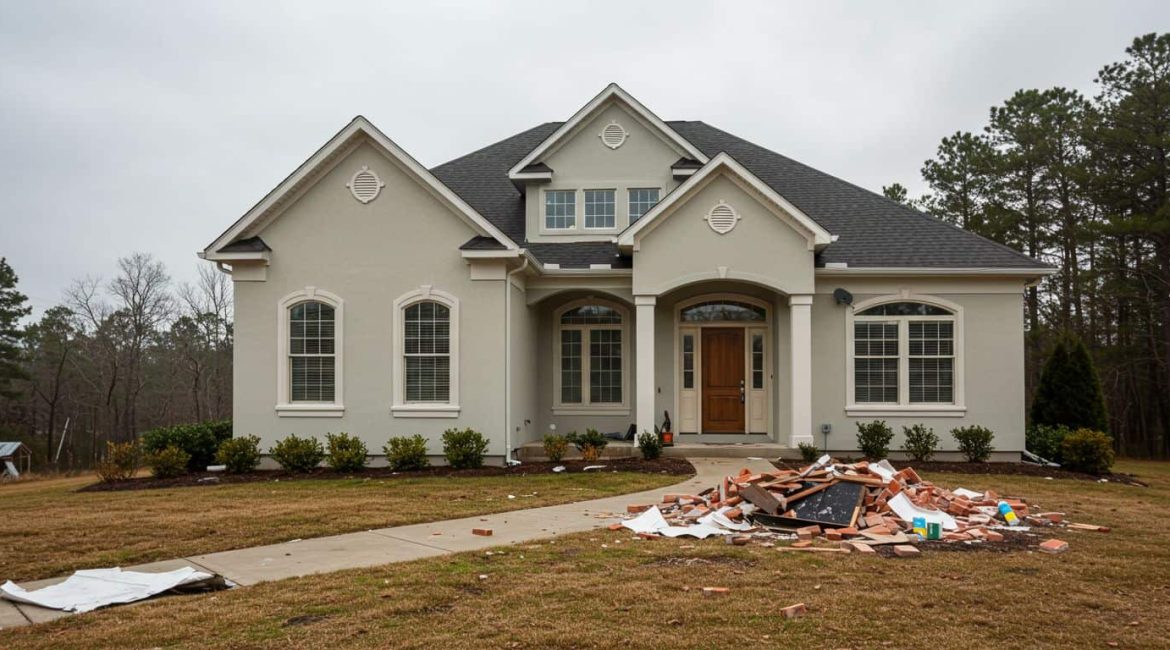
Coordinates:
[534,451]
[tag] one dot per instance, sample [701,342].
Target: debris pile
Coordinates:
[855,506]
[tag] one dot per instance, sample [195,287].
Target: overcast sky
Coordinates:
[152,126]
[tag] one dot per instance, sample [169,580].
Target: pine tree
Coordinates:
[1069,392]
[12,309]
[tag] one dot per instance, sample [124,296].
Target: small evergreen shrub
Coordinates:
[1045,440]
[297,454]
[555,446]
[920,442]
[464,448]
[650,445]
[1085,450]
[406,453]
[200,441]
[169,463]
[121,461]
[590,444]
[974,443]
[873,439]
[346,453]
[1069,391]
[808,452]
[240,455]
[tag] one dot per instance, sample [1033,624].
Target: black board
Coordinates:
[833,506]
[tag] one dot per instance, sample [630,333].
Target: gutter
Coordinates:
[508,356]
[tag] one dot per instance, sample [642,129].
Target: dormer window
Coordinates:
[599,209]
[560,209]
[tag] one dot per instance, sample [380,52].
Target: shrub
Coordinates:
[169,463]
[1085,450]
[406,453]
[974,443]
[1045,440]
[650,445]
[920,443]
[464,449]
[200,441]
[297,454]
[555,446]
[589,443]
[239,454]
[346,453]
[121,461]
[808,452]
[1069,392]
[873,439]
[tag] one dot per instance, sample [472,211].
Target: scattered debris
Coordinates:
[794,611]
[90,589]
[858,507]
[482,532]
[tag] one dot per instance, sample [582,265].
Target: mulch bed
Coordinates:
[673,466]
[1004,469]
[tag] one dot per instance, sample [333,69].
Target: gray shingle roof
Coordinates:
[480,243]
[872,231]
[249,245]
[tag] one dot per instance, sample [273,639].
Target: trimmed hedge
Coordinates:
[1089,451]
[240,455]
[200,441]
[406,453]
[297,454]
[464,448]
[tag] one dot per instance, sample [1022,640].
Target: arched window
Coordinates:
[906,352]
[426,349]
[723,310]
[590,355]
[309,376]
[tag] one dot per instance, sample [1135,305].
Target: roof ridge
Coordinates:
[905,208]
[494,144]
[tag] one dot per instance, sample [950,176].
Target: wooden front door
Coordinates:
[723,377]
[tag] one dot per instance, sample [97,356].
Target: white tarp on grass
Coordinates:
[90,589]
[714,523]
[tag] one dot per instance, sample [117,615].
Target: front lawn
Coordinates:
[606,589]
[50,529]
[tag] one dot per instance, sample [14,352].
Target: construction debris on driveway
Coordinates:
[833,507]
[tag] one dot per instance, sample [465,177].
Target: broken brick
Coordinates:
[905,550]
[482,532]
[716,591]
[1054,546]
[808,532]
[634,509]
[794,611]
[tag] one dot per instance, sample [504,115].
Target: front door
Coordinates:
[723,380]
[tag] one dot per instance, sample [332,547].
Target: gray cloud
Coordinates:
[151,126]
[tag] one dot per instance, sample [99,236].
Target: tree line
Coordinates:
[118,356]
[1081,183]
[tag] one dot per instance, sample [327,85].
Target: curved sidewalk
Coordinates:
[249,566]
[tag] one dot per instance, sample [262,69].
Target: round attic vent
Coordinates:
[365,185]
[722,218]
[613,135]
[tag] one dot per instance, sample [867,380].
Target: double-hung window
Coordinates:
[905,353]
[591,356]
[599,209]
[427,352]
[641,200]
[560,209]
[311,352]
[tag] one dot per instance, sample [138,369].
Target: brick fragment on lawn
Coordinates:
[906,550]
[716,591]
[794,611]
[1054,546]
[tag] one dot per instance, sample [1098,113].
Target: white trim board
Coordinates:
[344,139]
[610,93]
[818,236]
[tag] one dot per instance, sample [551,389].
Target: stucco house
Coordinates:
[601,271]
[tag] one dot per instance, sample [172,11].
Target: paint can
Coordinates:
[934,530]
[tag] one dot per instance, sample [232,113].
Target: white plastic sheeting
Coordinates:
[90,589]
[907,510]
[713,523]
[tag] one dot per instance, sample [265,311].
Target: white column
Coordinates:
[800,353]
[644,365]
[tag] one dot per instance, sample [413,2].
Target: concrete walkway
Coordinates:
[249,566]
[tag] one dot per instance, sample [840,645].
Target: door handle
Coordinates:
[741,392]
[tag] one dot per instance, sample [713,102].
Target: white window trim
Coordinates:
[400,408]
[957,408]
[285,407]
[585,407]
[577,211]
[584,224]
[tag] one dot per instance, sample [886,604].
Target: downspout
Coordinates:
[508,357]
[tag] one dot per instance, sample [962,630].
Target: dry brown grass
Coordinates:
[577,593]
[50,529]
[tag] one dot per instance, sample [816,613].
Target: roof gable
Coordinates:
[611,94]
[358,130]
[724,164]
